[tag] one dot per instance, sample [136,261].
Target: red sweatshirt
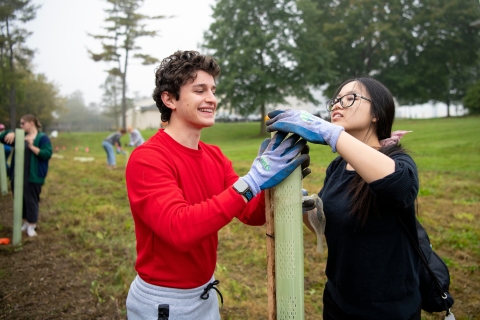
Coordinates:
[180,198]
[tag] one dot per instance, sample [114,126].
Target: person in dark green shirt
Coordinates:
[38,151]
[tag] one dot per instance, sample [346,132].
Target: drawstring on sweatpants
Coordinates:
[211,285]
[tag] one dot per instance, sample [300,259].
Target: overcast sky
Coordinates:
[60,38]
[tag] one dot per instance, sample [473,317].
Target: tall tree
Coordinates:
[41,98]
[14,54]
[125,26]
[441,61]
[364,34]
[257,44]
[423,50]
[76,116]
[35,95]
[471,100]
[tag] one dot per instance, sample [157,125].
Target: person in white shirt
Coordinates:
[136,138]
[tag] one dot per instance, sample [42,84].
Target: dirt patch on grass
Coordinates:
[39,281]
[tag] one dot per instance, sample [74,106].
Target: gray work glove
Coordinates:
[312,206]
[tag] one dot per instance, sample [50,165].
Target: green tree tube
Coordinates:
[287,202]
[3,171]
[18,186]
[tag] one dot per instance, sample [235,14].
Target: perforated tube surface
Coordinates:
[287,203]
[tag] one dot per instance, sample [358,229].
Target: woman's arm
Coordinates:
[9,138]
[369,163]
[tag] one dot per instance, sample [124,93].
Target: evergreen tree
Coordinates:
[125,26]
[14,55]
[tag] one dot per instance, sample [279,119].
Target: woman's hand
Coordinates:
[9,137]
[306,125]
[29,140]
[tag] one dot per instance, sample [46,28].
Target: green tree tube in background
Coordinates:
[3,171]
[18,186]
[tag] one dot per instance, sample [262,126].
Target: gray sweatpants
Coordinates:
[184,304]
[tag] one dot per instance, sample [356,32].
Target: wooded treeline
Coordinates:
[423,50]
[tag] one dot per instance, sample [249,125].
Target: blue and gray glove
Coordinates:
[306,125]
[275,162]
[306,150]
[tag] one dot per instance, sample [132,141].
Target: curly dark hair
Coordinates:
[175,70]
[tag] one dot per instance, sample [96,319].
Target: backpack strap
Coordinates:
[422,257]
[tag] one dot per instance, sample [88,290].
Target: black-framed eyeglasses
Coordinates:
[346,101]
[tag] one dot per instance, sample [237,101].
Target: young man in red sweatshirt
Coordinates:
[183,191]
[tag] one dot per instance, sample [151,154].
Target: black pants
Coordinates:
[331,311]
[31,199]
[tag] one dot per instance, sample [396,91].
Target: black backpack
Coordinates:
[434,275]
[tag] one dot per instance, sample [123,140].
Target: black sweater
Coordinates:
[372,269]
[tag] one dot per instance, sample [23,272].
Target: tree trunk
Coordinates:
[13,91]
[448,107]
[124,90]
[13,107]
[115,103]
[263,127]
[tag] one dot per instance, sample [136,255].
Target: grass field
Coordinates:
[85,208]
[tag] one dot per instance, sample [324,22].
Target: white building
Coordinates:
[145,115]
[429,110]
[419,111]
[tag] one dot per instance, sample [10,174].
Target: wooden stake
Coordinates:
[270,224]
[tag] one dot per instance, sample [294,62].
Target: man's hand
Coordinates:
[305,165]
[306,150]
[275,161]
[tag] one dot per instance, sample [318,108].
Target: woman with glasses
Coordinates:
[372,269]
[38,151]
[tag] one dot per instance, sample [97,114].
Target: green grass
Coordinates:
[87,206]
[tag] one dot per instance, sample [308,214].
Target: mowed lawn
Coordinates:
[87,206]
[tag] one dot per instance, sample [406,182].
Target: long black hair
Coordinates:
[383,110]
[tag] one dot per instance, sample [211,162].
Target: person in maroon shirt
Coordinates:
[183,191]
